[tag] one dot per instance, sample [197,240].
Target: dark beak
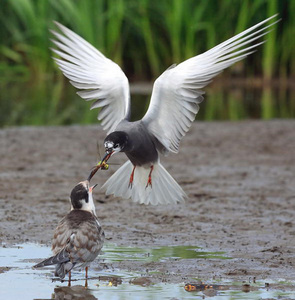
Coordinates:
[106,157]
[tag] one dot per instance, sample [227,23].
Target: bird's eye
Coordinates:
[116,146]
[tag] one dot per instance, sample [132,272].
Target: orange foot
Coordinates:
[149,182]
[131,178]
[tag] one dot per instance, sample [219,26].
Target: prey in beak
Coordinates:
[101,164]
[112,145]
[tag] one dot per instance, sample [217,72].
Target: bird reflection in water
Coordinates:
[72,292]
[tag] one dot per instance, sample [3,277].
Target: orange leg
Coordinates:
[150,177]
[69,283]
[131,178]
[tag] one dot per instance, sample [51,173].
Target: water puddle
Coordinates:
[20,281]
[164,253]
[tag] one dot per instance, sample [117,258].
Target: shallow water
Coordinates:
[20,281]
[158,253]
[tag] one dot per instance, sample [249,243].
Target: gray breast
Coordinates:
[141,148]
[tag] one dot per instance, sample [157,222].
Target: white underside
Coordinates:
[164,189]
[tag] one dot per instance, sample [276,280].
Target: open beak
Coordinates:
[106,157]
[92,188]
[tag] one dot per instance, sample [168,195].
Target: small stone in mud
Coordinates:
[114,280]
[4,269]
[246,288]
[237,272]
[143,281]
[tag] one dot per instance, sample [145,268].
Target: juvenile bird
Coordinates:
[78,238]
[174,104]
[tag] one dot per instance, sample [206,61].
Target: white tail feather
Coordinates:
[164,189]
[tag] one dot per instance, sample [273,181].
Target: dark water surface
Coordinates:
[46,103]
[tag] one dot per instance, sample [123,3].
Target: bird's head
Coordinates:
[116,141]
[81,196]
[113,143]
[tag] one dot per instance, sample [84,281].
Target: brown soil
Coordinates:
[239,178]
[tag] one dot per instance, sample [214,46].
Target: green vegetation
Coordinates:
[144,37]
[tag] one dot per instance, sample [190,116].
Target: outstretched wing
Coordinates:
[98,77]
[177,92]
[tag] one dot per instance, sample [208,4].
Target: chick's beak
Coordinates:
[92,188]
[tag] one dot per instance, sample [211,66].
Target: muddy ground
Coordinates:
[239,178]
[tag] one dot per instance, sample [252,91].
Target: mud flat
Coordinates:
[239,178]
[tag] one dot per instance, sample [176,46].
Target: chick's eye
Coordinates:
[117,145]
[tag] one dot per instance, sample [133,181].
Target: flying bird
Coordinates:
[174,104]
[78,238]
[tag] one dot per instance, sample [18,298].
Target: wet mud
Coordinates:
[239,178]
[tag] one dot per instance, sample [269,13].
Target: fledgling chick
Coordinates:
[78,238]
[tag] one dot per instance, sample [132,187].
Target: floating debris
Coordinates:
[190,287]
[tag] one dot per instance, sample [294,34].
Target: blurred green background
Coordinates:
[144,37]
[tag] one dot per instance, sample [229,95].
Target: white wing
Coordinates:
[177,92]
[100,78]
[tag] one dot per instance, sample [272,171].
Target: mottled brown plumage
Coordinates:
[81,235]
[78,238]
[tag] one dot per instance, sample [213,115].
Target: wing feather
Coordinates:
[177,92]
[98,77]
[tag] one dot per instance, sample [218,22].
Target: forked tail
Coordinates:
[163,190]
